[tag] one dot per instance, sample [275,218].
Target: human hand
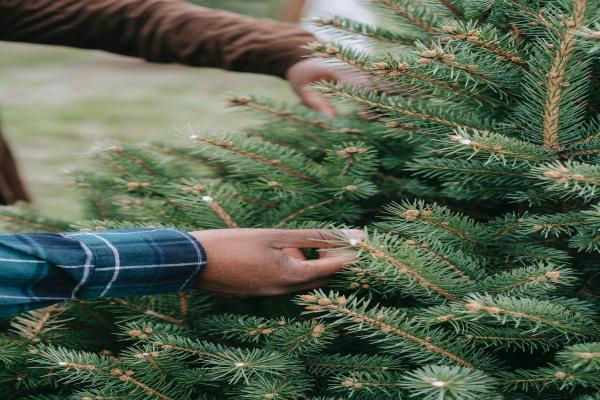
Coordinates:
[267,262]
[305,72]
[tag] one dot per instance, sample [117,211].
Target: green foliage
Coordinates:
[472,162]
[435,382]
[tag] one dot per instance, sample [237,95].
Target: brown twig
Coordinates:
[406,269]
[556,76]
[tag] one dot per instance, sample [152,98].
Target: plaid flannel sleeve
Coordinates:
[38,269]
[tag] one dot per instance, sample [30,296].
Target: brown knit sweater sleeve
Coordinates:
[166,31]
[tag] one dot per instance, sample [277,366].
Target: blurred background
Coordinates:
[56,103]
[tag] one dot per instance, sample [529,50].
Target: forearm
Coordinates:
[168,31]
[41,269]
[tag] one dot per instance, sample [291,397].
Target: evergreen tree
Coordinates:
[473,163]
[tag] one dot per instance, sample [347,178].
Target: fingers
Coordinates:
[309,270]
[313,238]
[316,102]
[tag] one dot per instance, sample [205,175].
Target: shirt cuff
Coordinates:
[135,262]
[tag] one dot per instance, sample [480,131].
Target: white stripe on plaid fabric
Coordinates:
[22,261]
[120,233]
[117,263]
[201,262]
[192,264]
[86,268]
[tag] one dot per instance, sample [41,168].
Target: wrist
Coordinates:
[202,254]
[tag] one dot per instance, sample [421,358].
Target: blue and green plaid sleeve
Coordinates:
[38,269]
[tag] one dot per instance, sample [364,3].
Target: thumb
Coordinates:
[316,102]
[313,238]
[324,266]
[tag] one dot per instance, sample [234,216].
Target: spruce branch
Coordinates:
[391,329]
[298,213]
[421,77]
[529,314]
[302,338]
[151,361]
[493,147]
[431,220]
[336,51]
[587,240]
[477,179]
[507,226]
[22,216]
[112,376]
[184,303]
[368,384]
[590,138]
[39,325]
[400,72]
[484,334]
[243,328]
[252,150]
[288,388]
[486,37]
[358,28]
[187,154]
[137,157]
[404,8]
[333,364]
[104,224]
[403,269]
[429,115]
[570,179]
[587,237]
[511,339]
[528,253]
[141,310]
[446,168]
[407,74]
[587,147]
[223,363]
[207,204]
[353,159]
[581,357]
[388,74]
[434,382]
[451,6]
[557,73]
[534,281]
[218,210]
[164,308]
[11,352]
[94,394]
[466,266]
[582,153]
[548,379]
[461,67]
[557,224]
[136,163]
[304,116]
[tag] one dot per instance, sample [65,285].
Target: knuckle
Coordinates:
[320,234]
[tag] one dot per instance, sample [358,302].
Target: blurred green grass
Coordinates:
[58,102]
[257,8]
